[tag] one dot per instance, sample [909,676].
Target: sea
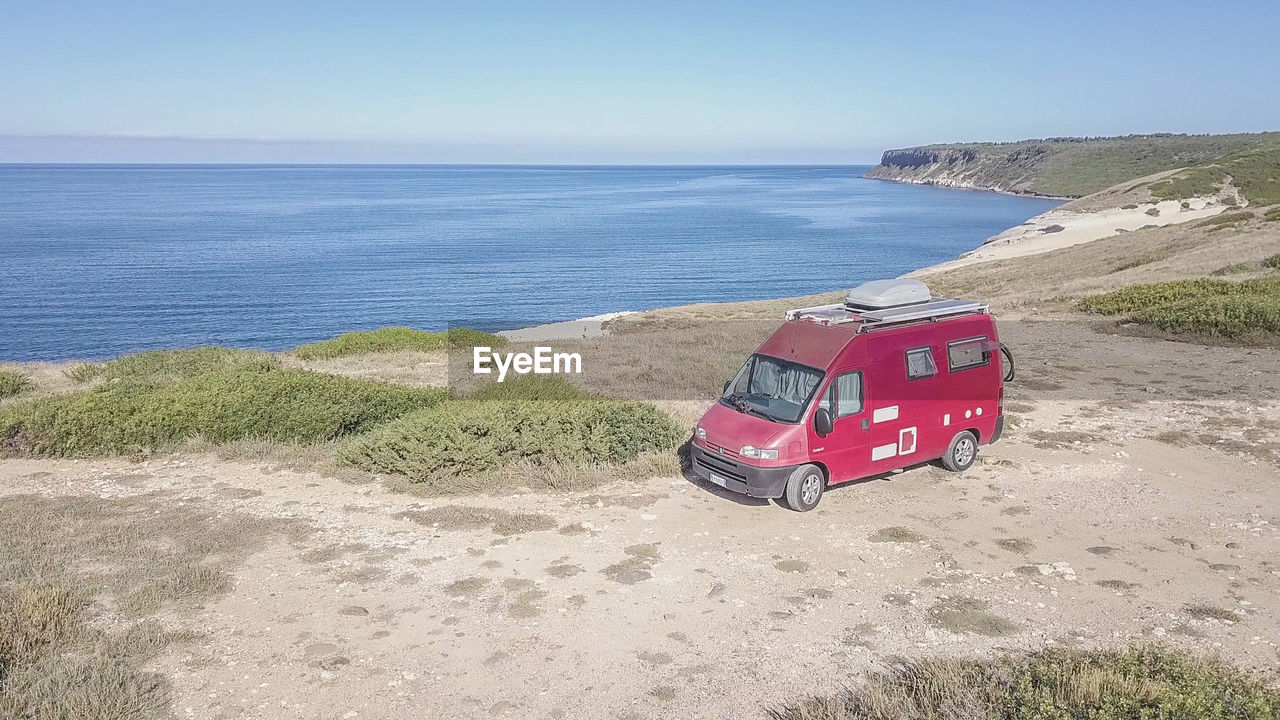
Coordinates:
[102,260]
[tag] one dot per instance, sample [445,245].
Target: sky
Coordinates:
[654,82]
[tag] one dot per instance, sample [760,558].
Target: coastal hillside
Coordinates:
[1059,167]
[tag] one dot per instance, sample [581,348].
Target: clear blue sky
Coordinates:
[632,82]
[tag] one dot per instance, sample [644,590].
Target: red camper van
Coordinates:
[890,377]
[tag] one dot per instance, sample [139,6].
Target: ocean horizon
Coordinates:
[102,260]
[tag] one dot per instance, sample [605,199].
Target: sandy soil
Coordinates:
[1133,498]
[1069,225]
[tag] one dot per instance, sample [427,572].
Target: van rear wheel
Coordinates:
[961,453]
[804,488]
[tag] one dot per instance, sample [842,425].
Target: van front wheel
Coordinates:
[804,488]
[961,453]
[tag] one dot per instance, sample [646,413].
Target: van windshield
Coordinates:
[772,388]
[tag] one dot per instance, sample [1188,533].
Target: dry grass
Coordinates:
[969,616]
[896,534]
[1049,685]
[1174,252]
[79,577]
[497,521]
[403,367]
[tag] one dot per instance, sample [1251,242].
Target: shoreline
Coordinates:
[974,188]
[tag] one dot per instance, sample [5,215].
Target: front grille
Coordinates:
[719,466]
[721,451]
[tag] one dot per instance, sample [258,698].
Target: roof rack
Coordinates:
[840,313]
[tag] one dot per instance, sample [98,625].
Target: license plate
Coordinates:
[722,482]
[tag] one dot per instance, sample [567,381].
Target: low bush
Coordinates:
[390,339]
[128,417]
[1228,316]
[1203,307]
[1141,297]
[12,383]
[1055,683]
[170,365]
[476,434]
[1272,262]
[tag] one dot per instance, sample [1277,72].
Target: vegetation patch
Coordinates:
[1149,682]
[1239,268]
[1272,262]
[65,559]
[473,435]
[1225,218]
[390,339]
[171,365]
[500,522]
[1204,307]
[1254,170]
[13,383]
[141,416]
[969,615]
[896,534]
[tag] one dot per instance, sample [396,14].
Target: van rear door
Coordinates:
[844,449]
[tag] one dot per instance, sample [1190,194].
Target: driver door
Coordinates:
[845,450]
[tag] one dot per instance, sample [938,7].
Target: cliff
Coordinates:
[1057,167]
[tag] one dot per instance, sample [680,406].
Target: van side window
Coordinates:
[849,394]
[920,364]
[968,353]
[828,399]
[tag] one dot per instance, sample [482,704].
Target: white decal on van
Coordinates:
[885,413]
[946,419]
[906,441]
[880,452]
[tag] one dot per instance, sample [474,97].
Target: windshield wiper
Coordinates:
[739,402]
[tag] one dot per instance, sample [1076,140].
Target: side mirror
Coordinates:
[822,422]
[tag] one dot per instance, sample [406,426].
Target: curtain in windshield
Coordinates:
[774,387]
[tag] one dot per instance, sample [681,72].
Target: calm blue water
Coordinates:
[96,261]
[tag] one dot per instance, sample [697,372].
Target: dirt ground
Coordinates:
[1134,498]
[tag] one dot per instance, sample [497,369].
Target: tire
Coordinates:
[804,488]
[961,453]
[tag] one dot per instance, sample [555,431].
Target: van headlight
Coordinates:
[701,432]
[758,453]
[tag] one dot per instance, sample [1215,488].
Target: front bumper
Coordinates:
[750,480]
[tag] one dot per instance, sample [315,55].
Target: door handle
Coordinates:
[866,423]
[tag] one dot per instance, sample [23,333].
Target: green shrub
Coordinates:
[1255,171]
[12,383]
[131,416]
[170,365]
[1203,307]
[389,339]
[1049,685]
[1141,297]
[474,435]
[1272,262]
[1228,316]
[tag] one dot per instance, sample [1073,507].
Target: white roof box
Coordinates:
[879,294]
